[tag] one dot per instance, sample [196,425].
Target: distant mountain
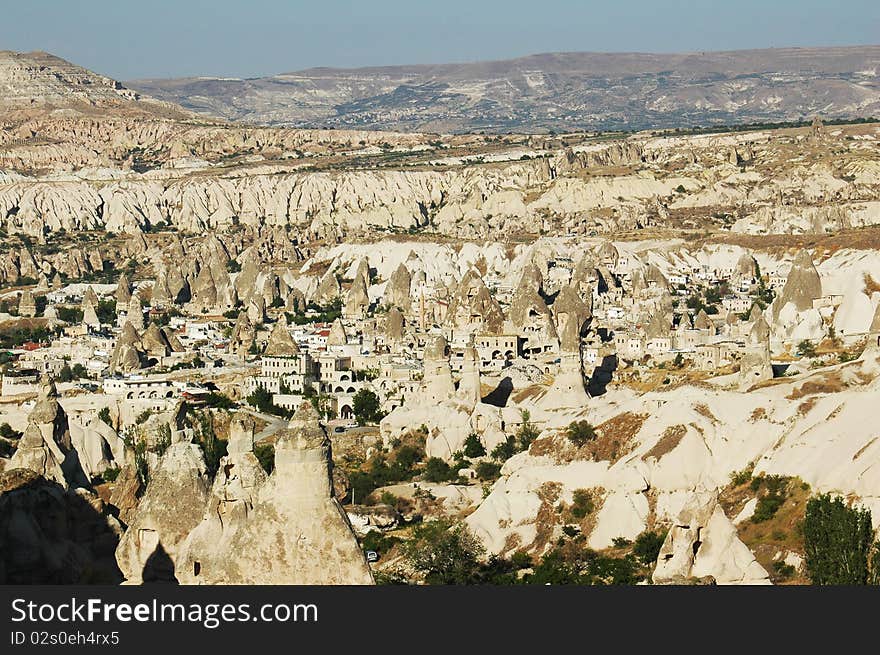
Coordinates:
[559,92]
[39,81]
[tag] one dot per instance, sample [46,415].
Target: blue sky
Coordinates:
[127,39]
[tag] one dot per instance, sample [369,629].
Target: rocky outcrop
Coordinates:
[128,352]
[703,542]
[397,290]
[284,529]
[280,343]
[46,446]
[337,336]
[802,286]
[27,304]
[473,309]
[172,505]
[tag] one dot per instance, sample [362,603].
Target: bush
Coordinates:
[580,433]
[7,432]
[527,432]
[505,450]
[782,571]
[488,470]
[436,470]
[445,553]
[837,540]
[104,415]
[582,503]
[776,492]
[473,447]
[806,349]
[110,475]
[647,546]
[738,478]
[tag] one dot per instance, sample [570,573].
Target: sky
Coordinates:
[131,39]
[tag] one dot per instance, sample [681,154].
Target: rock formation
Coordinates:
[397,290]
[172,505]
[703,542]
[337,336]
[802,286]
[473,308]
[280,343]
[135,314]
[46,446]
[27,304]
[287,529]
[128,351]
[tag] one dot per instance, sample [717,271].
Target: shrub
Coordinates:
[445,553]
[837,540]
[505,450]
[738,478]
[436,470]
[473,447]
[104,415]
[806,349]
[580,433]
[647,546]
[769,504]
[582,503]
[488,470]
[265,454]
[110,475]
[782,571]
[527,432]
[621,542]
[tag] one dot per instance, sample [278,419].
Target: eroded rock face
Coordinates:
[703,542]
[397,291]
[802,286]
[46,446]
[172,505]
[284,529]
[473,308]
[280,343]
[127,355]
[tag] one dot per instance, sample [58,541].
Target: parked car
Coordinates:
[372,556]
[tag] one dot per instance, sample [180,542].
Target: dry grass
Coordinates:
[672,436]
[768,539]
[830,382]
[871,285]
[807,406]
[758,414]
[704,410]
[863,449]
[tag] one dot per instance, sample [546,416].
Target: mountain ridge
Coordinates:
[550,91]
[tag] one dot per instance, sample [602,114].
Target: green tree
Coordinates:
[647,546]
[445,553]
[436,470]
[473,447]
[66,373]
[806,349]
[837,542]
[580,433]
[527,432]
[366,407]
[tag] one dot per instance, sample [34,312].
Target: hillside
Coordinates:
[560,92]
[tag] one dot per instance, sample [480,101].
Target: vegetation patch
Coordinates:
[672,436]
